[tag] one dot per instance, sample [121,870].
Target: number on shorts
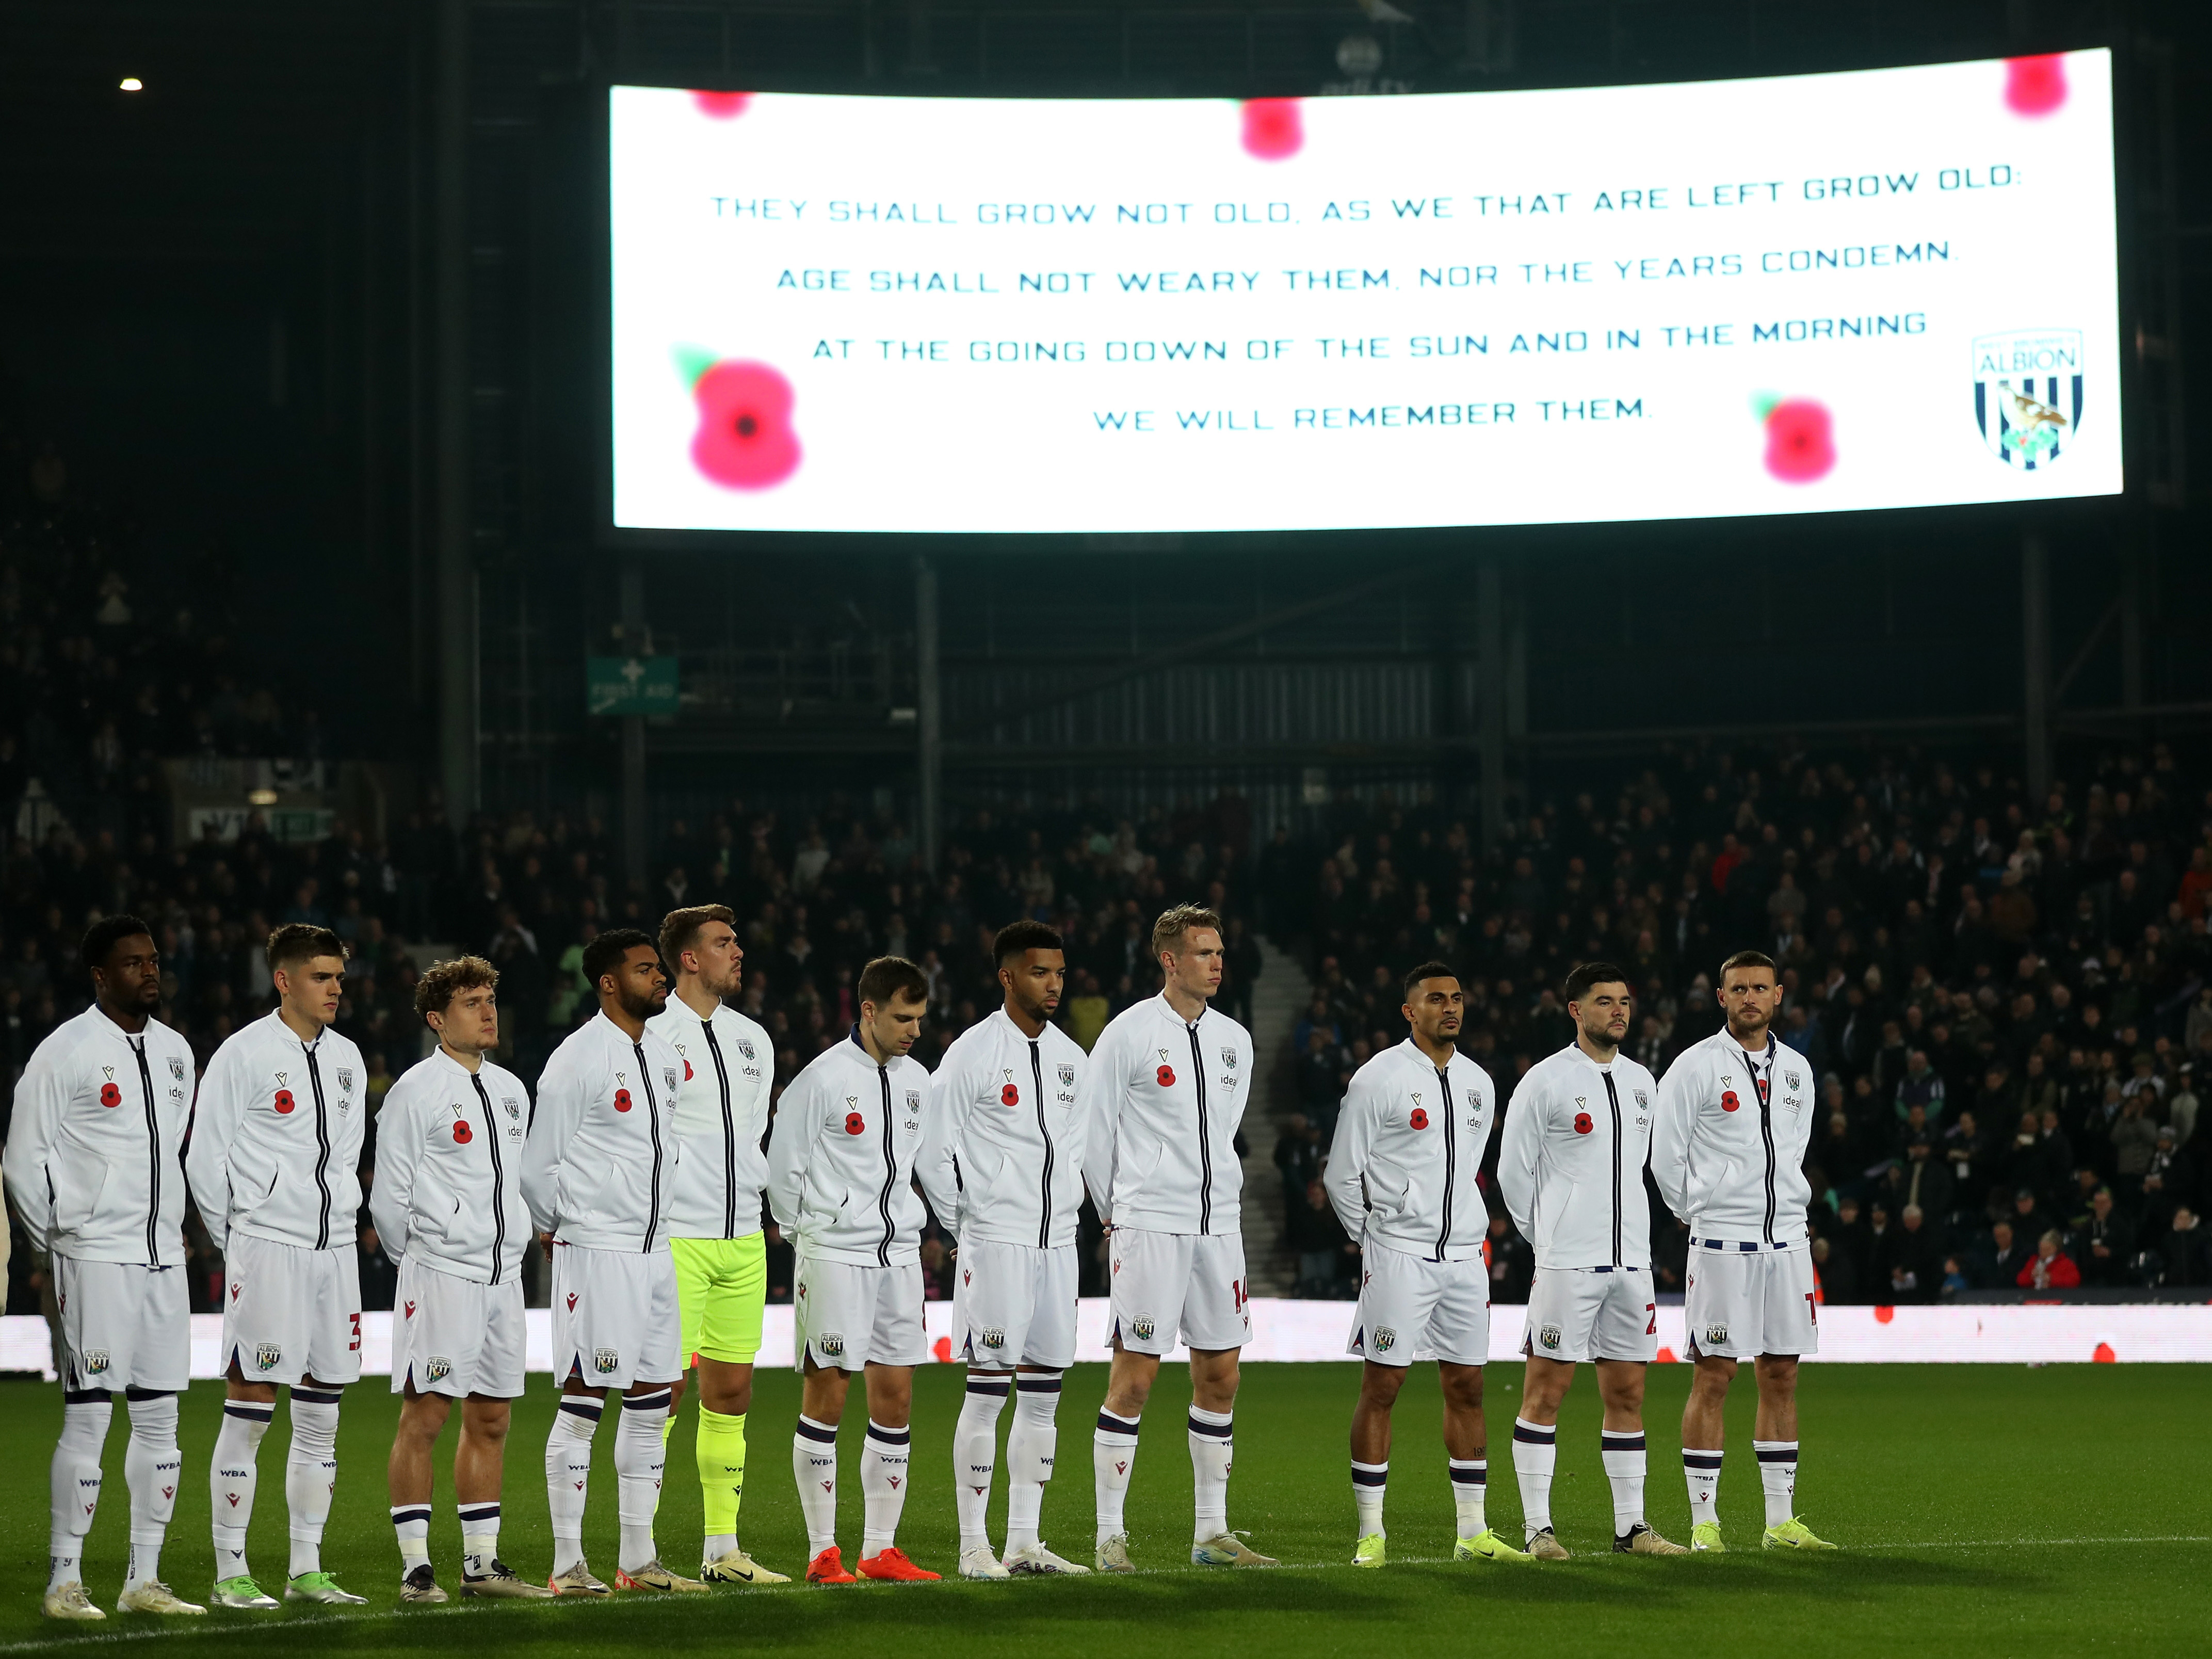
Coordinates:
[1812,1308]
[1237,1292]
[353,1346]
[1652,1329]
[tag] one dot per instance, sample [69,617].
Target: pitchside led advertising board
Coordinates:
[1886,289]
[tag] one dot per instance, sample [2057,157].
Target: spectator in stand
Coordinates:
[1299,1158]
[1997,1263]
[1329,1261]
[1833,1273]
[1854,1239]
[2135,1139]
[2165,1183]
[2051,1268]
[2184,1251]
[1921,1085]
[2104,1248]
[1913,1266]
[1512,1266]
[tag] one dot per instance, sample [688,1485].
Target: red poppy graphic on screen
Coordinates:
[2035,86]
[722,106]
[1275,128]
[745,439]
[110,1095]
[1801,440]
[1418,1118]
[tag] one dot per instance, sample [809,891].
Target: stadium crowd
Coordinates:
[2006,1000]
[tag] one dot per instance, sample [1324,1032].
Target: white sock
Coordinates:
[814,1466]
[1778,1473]
[641,1458]
[1701,1472]
[1032,1445]
[232,1476]
[1622,1453]
[883,1486]
[1368,1480]
[1535,1455]
[311,1473]
[1213,1446]
[1113,1454]
[479,1539]
[568,1475]
[719,1544]
[75,1479]
[410,1525]
[1470,1484]
[974,1456]
[151,1466]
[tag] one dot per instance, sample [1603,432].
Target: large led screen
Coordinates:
[1885,288]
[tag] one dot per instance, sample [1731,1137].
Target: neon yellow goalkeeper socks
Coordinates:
[721,1448]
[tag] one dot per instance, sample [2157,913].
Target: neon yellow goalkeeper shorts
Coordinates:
[720,1286]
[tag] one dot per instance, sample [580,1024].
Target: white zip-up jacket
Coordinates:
[722,1120]
[94,1150]
[448,1186]
[1570,1160]
[599,1165]
[1730,1159]
[1162,1098]
[1002,1143]
[841,1161]
[276,1138]
[1403,1170]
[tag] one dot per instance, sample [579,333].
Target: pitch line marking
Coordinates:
[186,1631]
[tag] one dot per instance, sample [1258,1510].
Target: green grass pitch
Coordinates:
[1982,1510]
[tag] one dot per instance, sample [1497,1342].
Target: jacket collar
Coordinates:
[1168,1009]
[861,1050]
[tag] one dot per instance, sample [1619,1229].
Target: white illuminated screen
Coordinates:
[1886,289]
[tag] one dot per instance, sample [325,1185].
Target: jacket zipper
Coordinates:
[891,1169]
[653,1120]
[322,1152]
[1044,1221]
[1764,1087]
[729,1135]
[1204,1150]
[498,1182]
[153,1146]
[1451,1159]
[1613,1100]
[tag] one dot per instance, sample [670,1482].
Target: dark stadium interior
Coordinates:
[301,505]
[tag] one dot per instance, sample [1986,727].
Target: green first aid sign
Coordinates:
[630,685]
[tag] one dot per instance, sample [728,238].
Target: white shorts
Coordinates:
[1408,1302]
[454,1336]
[1742,1304]
[1592,1313]
[124,1325]
[1191,1283]
[1014,1304]
[847,1316]
[615,1318]
[291,1313]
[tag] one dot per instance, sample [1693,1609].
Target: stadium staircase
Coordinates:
[1279,996]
